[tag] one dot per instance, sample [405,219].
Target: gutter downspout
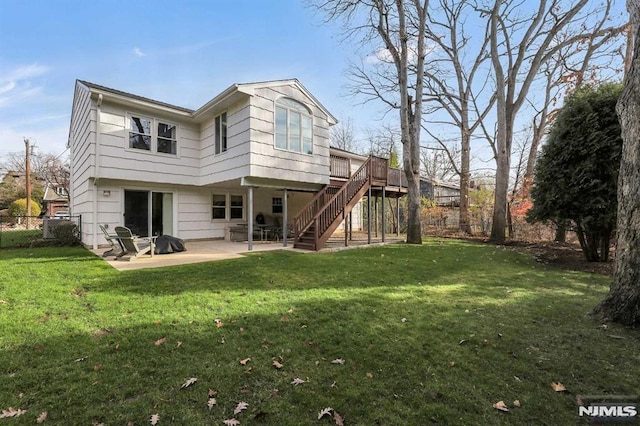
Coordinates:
[96,177]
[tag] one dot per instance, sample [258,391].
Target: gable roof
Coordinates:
[228,95]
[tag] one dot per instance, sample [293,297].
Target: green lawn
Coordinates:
[434,334]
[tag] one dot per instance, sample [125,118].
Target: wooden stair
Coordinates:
[330,206]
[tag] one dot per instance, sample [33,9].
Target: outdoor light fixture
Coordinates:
[106,193]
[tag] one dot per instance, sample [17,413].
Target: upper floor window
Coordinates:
[221,133]
[140,133]
[294,126]
[143,135]
[167,141]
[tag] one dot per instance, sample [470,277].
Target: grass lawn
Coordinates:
[394,335]
[15,237]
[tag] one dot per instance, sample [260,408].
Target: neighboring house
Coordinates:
[443,193]
[196,174]
[55,199]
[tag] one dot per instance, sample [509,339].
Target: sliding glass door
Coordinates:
[148,212]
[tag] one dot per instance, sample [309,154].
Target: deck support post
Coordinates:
[250,218]
[369,215]
[285,228]
[383,215]
[398,214]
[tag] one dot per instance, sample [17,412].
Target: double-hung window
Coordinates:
[152,135]
[294,126]
[167,141]
[140,133]
[221,133]
[227,206]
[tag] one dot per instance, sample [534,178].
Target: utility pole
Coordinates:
[27,170]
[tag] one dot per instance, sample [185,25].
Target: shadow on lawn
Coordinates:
[117,374]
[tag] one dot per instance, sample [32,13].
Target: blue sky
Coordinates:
[181,52]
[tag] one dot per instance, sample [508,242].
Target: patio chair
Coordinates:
[133,245]
[116,248]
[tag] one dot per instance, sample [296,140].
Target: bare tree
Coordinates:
[594,59]
[622,304]
[384,141]
[47,167]
[440,164]
[342,135]
[451,86]
[520,44]
[392,74]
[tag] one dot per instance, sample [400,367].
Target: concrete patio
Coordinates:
[212,250]
[197,251]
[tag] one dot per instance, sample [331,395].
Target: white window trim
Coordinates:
[216,131]
[308,113]
[227,206]
[154,135]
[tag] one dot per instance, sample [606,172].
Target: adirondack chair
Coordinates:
[134,246]
[116,248]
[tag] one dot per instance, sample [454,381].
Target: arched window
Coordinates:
[294,126]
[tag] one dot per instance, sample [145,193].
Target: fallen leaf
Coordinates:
[462,341]
[245,361]
[517,403]
[338,418]
[211,402]
[189,382]
[403,320]
[11,412]
[219,323]
[84,358]
[42,417]
[325,412]
[297,381]
[212,393]
[452,363]
[284,319]
[155,418]
[240,407]
[370,375]
[96,367]
[179,343]
[231,422]
[161,341]
[558,387]
[338,361]
[500,405]
[277,365]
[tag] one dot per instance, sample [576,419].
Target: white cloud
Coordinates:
[16,85]
[138,52]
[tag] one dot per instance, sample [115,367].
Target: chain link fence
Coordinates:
[25,231]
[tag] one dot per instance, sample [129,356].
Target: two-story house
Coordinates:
[163,169]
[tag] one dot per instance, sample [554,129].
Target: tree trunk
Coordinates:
[622,304]
[465,223]
[561,232]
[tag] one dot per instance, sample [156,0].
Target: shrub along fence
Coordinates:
[26,231]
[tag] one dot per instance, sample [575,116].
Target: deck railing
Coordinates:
[339,167]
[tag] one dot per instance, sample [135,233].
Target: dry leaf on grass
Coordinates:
[277,365]
[338,361]
[42,417]
[11,412]
[155,418]
[189,382]
[219,323]
[297,381]
[212,393]
[517,403]
[558,387]
[231,422]
[211,402]
[245,361]
[500,405]
[325,412]
[161,341]
[240,407]
[338,418]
